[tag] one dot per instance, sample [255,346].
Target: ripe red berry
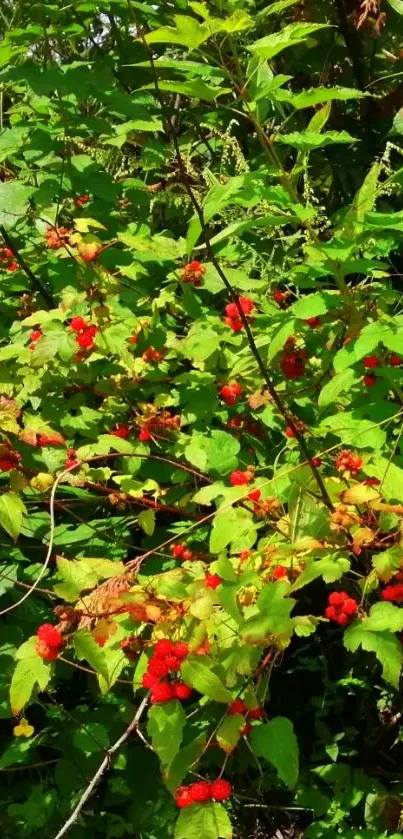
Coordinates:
[181,649]
[13,266]
[395,360]
[158,667]
[293,365]
[245,303]
[254,495]
[9,460]
[239,478]
[78,324]
[336,598]
[255,714]
[121,430]
[234,323]
[341,607]
[183,797]
[314,322]
[289,432]
[246,729]
[221,789]
[182,691]
[372,482]
[81,200]
[163,648]
[85,340]
[200,791]
[347,461]
[279,296]
[370,361]
[172,662]
[35,335]
[50,635]
[369,380]
[177,550]
[144,435]
[162,692]
[212,580]
[237,707]
[149,681]
[230,393]
[48,440]
[279,572]
[316,461]
[187,555]
[46,652]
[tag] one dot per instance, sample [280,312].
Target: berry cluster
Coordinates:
[393,593]
[49,642]
[7,259]
[347,461]
[57,237]
[85,333]
[238,707]
[193,273]
[151,355]
[293,365]
[232,318]
[159,423]
[180,551]
[229,393]
[203,791]
[166,660]
[81,200]
[341,607]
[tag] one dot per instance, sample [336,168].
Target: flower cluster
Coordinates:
[193,273]
[85,332]
[166,660]
[7,258]
[229,393]
[49,642]
[347,461]
[341,607]
[232,318]
[203,791]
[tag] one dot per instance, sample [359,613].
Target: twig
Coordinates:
[31,765]
[37,285]
[102,768]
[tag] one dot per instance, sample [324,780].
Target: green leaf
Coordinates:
[188,32]
[216,453]
[229,732]
[280,336]
[385,645]
[290,36]
[165,726]
[274,618]
[340,383]
[383,617]
[197,671]
[87,649]
[329,568]
[203,821]
[309,140]
[146,520]
[12,509]
[389,474]
[233,526]
[14,198]
[31,670]
[312,305]
[195,89]
[317,95]
[388,562]
[397,5]
[276,742]
[355,432]
[186,757]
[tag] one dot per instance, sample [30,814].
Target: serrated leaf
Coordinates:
[329,568]
[186,757]
[385,645]
[349,429]
[12,510]
[309,140]
[340,383]
[388,562]
[317,95]
[188,32]
[165,726]
[87,649]
[14,198]
[313,305]
[197,671]
[30,670]
[383,617]
[277,743]
[289,36]
[203,821]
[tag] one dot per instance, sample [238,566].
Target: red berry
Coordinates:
[46,652]
[316,461]
[35,335]
[162,692]
[85,340]
[238,478]
[293,365]
[183,797]
[212,580]
[395,360]
[330,613]
[181,649]
[149,681]
[182,691]
[48,440]
[314,322]
[177,550]
[163,648]
[237,707]
[279,296]
[350,607]
[230,393]
[289,432]
[200,791]
[369,380]
[133,339]
[279,572]
[50,635]
[221,789]
[9,461]
[158,667]
[13,266]
[372,482]
[255,714]
[187,555]
[246,729]
[78,324]
[336,598]
[342,619]
[172,662]
[234,323]
[370,361]
[122,431]
[254,495]
[144,435]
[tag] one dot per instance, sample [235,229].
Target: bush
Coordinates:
[200,415]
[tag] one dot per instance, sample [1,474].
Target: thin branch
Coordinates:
[36,284]
[104,766]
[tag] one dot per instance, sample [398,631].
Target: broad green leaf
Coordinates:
[216,453]
[385,645]
[383,617]
[146,520]
[290,36]
[30,670]
[197,672]
[203,821]
[388,562]
[329,568]
[195,89]
[340,383]
[356,432]
[277,342]
[274,618]
[233,526]
[12,510]
[165,726]
[277,743]
[186,757]
[14,198]
[87,649]
[188,32]
[309,140]
[317,95]
[315,304]
[229,732]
